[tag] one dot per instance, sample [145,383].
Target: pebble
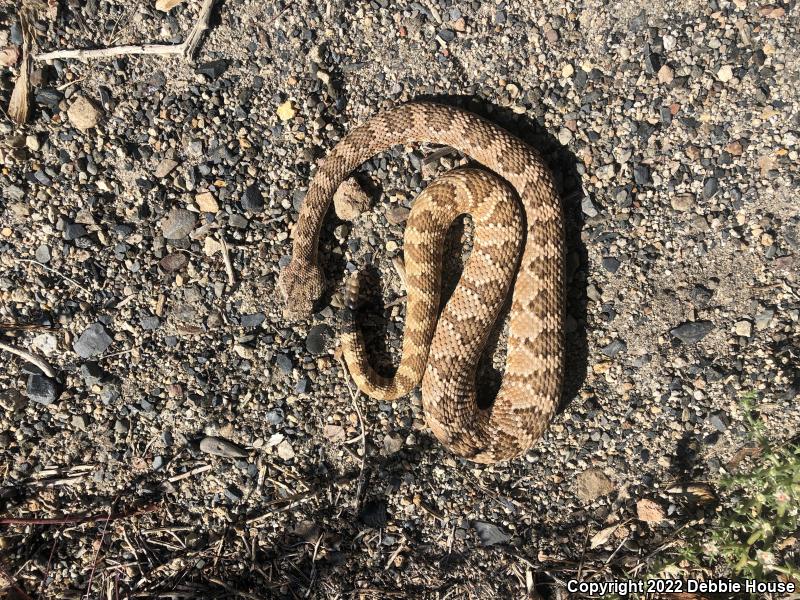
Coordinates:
[42,254]
[83,114]
[397,215]
[650,511]
[710,187]
[490,534]
[213,69]
[392,443]
[610,264]
[91,373]
[284,363]
[682,202]
[252,320]
[286,111]
[165,167]
[350,200]
[593,484]
[80,422]
[93,341]
[178,224]
[725,74]
[317,338]
[174,262]
[285,450]
[719,421]
[614,348]
[41,389]
[588,208]
[665,74]
[252,200]
[73,231]
[205,202]
[744,328]
[217,446]
[692,332]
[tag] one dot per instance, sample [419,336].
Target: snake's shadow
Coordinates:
[564,166]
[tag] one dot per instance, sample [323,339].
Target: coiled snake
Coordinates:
[515,207]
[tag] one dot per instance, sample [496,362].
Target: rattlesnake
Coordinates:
[531,386]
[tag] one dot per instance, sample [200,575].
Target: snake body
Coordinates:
[515,206]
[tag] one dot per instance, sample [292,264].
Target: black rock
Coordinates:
[303,385]
[610,264]
[490,534]
[253,320]
[317,338]
[72,231]
[692,332]
[213,69]
[252,199]
[93,341]
[447,35]
[373,514]
[641,174]
[42,389]
[710,187]
[91,373]
[48,97]
[614,348]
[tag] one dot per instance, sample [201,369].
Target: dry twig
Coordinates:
[34,359]
[354,399]
[186,49]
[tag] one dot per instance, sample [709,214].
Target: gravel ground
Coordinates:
[673,132]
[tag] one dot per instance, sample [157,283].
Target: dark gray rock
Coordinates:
[221,447]
[610,264]
[73,231]
[710,187]
[252,199]
[719,421]
[213,69]
[692,332]
[284,363]
[92,373]
[490,534]
[317,338]
[614,348]
[253,320]
[42,389]
[93,341]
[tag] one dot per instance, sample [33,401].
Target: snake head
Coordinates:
[301,285]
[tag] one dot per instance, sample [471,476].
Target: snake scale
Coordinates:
[515,209]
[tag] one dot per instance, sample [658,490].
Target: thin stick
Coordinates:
[226,257]
[354,400]
[293,501]
[186,48]
[195,471]
[77,519]
[31,358]
[97,554]
[46,268]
